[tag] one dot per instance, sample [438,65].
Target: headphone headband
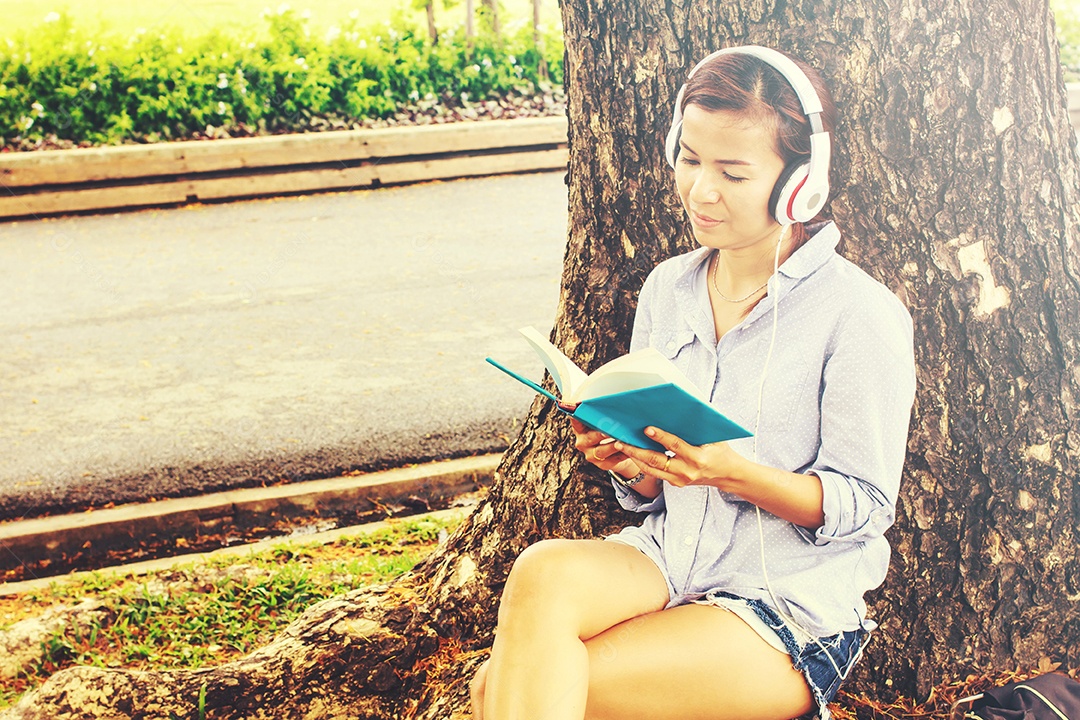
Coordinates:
[804,89]
[802,190]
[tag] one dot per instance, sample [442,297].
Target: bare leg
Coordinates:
[476,691]
[559,594]
[693,662]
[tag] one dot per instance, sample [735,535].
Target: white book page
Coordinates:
[568,376]
[640,369]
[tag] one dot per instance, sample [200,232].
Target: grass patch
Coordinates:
[200,615]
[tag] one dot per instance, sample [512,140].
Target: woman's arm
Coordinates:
[848,492]
[794,497]
[868,387]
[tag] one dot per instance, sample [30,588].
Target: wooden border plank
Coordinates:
[474,166]
[68,201]
[61,167]
[265,184]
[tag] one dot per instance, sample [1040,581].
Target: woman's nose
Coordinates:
[705,190]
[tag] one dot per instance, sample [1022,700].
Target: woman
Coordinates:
[741,593]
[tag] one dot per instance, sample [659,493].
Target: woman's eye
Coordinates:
[687,161]
[734,178]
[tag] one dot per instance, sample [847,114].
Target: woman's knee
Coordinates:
[587,585]
[547,565]
[545,573]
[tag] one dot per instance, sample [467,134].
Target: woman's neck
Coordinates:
[741,270]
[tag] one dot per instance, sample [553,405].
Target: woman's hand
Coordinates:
[795,497]
[599,449]
[685,464]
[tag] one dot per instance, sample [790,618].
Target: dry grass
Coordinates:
[940,700]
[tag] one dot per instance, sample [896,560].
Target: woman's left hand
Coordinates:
[686,464]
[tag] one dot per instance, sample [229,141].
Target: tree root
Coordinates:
[358,656]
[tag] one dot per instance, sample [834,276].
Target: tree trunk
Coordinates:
[491,9]
[470,24]
[962,195]
[433,32]
[956,185]
[538,42]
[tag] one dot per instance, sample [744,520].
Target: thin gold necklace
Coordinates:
[724,297]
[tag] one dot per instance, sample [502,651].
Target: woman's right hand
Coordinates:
[599,449]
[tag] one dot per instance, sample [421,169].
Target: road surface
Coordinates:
[171,352]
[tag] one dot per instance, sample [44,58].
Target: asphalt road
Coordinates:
[171,352]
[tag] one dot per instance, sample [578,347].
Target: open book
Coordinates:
[628,394]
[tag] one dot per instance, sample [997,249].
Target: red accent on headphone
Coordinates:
[794,194]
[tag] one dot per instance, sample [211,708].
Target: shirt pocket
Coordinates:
[790,397]
[671,341]
[678,345]
[792,393]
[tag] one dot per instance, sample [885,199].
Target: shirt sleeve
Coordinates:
[868,387]
[630,500]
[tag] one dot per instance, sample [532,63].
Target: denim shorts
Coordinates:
[817,660]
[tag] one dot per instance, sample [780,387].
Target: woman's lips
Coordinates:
[703,221]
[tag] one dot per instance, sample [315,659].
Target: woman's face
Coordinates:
[725,173]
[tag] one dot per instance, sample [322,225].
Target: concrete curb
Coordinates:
[51,182]
[40,538]
[236,551]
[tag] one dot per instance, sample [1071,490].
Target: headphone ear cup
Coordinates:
[671,144]
[782,202]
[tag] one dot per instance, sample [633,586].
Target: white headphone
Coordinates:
[803,188]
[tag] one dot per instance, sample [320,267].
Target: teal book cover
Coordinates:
[624,415]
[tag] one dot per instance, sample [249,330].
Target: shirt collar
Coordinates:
[814,253]
[687,293]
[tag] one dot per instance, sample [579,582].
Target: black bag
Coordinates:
[1046,697]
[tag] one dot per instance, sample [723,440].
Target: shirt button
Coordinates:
[671,345]
[688,540]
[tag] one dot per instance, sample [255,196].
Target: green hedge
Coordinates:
[59,81]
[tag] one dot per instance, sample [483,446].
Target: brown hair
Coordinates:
[745,84]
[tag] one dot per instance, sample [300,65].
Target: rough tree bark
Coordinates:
[957,186]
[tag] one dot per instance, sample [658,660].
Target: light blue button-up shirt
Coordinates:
[837,402]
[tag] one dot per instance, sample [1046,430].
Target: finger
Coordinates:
[584,431]
[584,439]
[655,462]
[607,463]
[604,449]
[672,442]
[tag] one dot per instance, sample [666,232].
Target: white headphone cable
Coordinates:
[772,338]
[757,423]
